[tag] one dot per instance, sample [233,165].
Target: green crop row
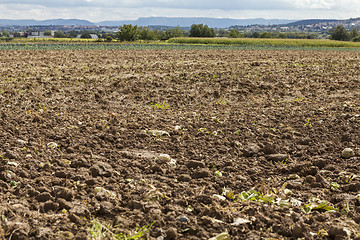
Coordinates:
[267,42]
[168,46]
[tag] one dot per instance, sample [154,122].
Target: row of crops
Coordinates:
[267,42]
[82,46]
[174,44]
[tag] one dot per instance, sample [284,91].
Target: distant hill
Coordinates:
[31,22]
[188,21]
[310,22]
[169,22]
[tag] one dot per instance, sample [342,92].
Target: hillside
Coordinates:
[148,21]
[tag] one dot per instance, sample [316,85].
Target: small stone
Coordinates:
[250,150]
[52,145]
[277,157]
[183,219]
[80,210]
[104,193]
[293,177]
[171,234]
[347,153]
[239,221]
[163,158]
[220,197]
[106,208]
[172,162]
[101,169]
[195,164]
[15,164]
[156,133]
[21,141]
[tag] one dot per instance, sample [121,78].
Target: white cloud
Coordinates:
[99,10]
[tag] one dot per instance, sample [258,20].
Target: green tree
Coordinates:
[47,33]
[171,33]
[146,34]
[5,33]
[200,30]
[85,35]
[73,34]
[128,32]
[354,33]
[255,35]
[339,33]
[59,34]
[282,35]
[265,35]
[109,38]
[222,33]
[235,34]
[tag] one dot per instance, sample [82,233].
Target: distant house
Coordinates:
[38,35]
[93,36]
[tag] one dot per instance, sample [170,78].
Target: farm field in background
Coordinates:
[179,144]
[266,42]
[180,43]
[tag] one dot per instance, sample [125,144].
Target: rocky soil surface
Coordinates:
[181,144]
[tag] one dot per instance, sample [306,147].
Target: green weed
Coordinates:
[162,106]
[99,231]
[334,186]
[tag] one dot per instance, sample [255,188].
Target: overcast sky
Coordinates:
[101,10]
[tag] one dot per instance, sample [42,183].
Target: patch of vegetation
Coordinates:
[319,205]
[99,230]
[280,198]
[162,106]
[265,42]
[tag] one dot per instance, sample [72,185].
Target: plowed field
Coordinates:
[96,144]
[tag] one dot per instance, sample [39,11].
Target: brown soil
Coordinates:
[84,135]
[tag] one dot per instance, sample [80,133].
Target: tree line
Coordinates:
[128,32]
[341,34]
